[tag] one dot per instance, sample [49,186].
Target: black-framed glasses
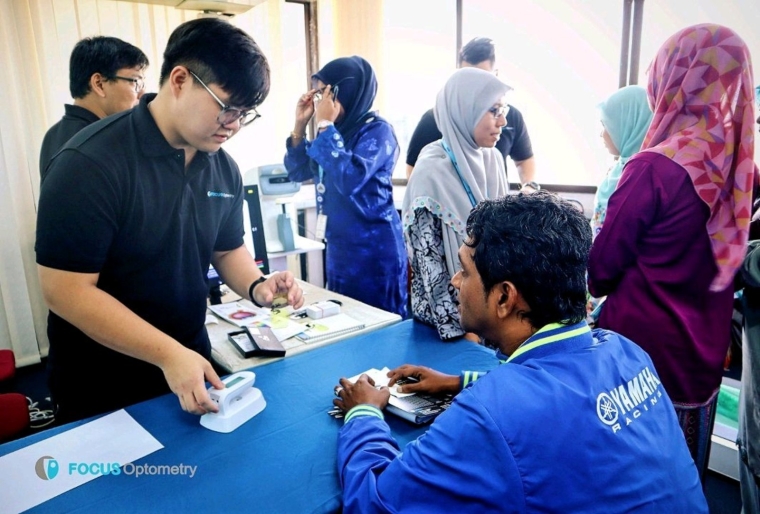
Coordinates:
[501,110]
[138,84]
[229,114]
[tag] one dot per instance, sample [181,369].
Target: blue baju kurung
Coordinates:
[366,256]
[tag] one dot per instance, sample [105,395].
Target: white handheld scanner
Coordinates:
[238,402]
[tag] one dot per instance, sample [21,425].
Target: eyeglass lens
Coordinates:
[499,111]
[138,84]
[230,114]
[333,91]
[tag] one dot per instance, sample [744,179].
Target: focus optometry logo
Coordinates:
[46,468]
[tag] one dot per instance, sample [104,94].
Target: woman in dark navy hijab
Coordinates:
[351,160]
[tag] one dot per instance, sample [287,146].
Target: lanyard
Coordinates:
[465,185]
[320,190]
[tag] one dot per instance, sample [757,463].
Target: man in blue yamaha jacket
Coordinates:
[574,420]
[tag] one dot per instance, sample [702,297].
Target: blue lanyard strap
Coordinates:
[465,185]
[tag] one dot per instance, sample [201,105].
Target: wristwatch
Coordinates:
[534,185]
[252,287]
[323,124]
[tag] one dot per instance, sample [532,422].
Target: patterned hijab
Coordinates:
[357,87]
[626,117]
[700,88]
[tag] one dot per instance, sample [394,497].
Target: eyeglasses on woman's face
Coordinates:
[321,93]
[499,110]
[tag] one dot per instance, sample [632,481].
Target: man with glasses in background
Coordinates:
[106,76]
[514,141]
[131,214]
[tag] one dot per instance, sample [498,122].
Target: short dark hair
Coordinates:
[220,53]
[104,55]
[478,50]
[540,243]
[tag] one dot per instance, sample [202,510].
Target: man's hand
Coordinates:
[362,392]
[281,284]
[185,371]
[429,380]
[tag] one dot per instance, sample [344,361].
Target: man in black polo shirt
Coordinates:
[133,210]
[514,141]
[106,76]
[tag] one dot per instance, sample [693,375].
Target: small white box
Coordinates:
[322,310]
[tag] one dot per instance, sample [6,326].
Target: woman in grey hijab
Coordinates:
[451,176]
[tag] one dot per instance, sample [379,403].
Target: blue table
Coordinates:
[281,461]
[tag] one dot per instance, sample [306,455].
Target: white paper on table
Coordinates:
[41,471]
[291,329]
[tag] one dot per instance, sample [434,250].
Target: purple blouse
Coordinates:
[654,262]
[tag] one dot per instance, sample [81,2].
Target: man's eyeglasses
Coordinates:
[138,84]
[229,114]
[501,110]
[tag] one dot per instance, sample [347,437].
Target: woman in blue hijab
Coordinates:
[625,117]
[351,160]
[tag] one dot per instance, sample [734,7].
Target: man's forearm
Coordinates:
[526,170]
[238,269]
[105,319]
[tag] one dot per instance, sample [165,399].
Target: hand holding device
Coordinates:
[185,371]
[349,394]
[280,284]
[427,380]
[238,402]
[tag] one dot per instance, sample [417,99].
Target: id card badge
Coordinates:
[319,233]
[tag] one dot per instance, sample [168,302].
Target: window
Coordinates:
[562,60]
[419,40]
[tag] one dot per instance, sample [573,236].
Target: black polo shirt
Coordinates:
[75,119]
[118,201]
[514,141]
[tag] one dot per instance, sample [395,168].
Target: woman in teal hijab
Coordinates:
[625,116]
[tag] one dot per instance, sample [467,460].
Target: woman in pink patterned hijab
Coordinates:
[677,224]
[701,92]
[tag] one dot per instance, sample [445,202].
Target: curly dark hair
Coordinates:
[540,243]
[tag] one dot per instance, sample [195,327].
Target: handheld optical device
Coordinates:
[238,402]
